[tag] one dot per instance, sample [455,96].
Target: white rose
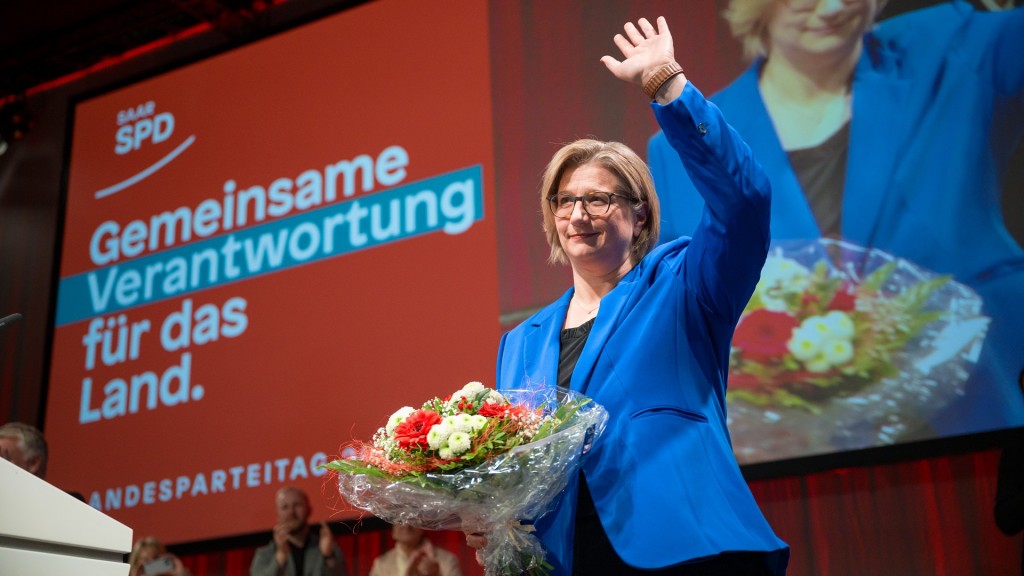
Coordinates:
[460,422]
[838,351]
[478,422]
[438,435]
[467,392]
[817,325]
[839,324]
[459,442]
[804,344]
[453,402]
[397,419]
[818,364]
[785,271]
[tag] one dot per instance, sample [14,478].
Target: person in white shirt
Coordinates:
[414,555]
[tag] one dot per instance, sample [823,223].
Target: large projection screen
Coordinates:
[262,252]
[267,252]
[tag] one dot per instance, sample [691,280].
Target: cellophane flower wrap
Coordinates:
[844,347]
[478,461]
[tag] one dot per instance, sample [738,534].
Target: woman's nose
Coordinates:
[830,7]
[578,210]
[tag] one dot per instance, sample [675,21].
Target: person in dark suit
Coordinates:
[1009,508]
[645,331]
[297,549]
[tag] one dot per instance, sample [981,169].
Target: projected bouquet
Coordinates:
[844,347]
[478,461]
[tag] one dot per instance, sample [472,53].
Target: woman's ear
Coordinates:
[641,219]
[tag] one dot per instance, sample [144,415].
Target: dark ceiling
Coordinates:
[46,40]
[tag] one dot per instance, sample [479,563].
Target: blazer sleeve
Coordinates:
[263,563]
[339,566]
[730,244]
[498,384]
[1008,64]
[984,43]
[681,205]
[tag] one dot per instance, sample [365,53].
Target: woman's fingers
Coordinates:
[477,541]
[646,28]
[633,34]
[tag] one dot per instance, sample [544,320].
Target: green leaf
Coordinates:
[875,280]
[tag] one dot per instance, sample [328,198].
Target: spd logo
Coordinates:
[139,125]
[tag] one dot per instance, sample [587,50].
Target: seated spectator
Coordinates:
[24,446]
[149,557]
[414,555]
[297,549]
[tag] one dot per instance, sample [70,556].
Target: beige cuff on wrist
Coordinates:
[662,74]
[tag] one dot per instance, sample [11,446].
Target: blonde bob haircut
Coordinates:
[748,20]
[147,543]
[634,182]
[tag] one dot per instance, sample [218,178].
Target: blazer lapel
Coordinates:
[742,103]
[540,361]
[878,106]
[613,305]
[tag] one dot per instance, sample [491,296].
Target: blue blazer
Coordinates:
[663,476]
[938,110]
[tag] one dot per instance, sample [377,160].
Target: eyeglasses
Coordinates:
[594,203]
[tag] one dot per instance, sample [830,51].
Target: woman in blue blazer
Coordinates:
[894,136]
[645,332]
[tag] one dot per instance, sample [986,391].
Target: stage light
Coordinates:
[15,123]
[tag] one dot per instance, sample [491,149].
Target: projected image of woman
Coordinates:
[893,136]
[645,331]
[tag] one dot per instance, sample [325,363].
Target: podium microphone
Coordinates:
[7,320]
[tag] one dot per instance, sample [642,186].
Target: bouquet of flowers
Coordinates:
[842,346]
[478,461]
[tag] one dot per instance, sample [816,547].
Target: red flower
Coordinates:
[762,334]
[490,409]
[844,299]
[412,432]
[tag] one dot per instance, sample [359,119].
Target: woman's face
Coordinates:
[597,243]
[146,554]
[406,534]
[801,29]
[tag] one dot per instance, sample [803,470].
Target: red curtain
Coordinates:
[360,549]
[929,517]
[923,517]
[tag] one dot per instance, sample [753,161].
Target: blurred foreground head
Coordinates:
[24,446]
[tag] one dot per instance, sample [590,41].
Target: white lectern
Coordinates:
[44,530]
